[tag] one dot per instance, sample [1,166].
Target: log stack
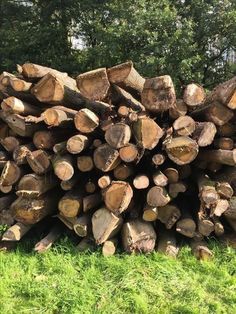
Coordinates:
[117,159]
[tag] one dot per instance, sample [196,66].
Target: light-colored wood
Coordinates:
[86,121]
[158,94]
[63,167]
[94,84]
[181,150]
[221,156]
[224,189]
[179,109]
[16,232]
[117,196]
[105,225]
[194,95]
[158,159]
[11,173]
[157,196]
[204,133]
[150,213]
[59,116]
[45,244]
[141,181]
[15,105]
[118,135]
[85,163]
[147,132]
[77,143]
[39,161]
[109,247]
[168,215]
[128,153]
[138,236]
[36,71]
[106,158]
[20,153]
[184,126]
[218,226]
[120,95]
[207,190]
[159,178]
[220,207]
[104,181]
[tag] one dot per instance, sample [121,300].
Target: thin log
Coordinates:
[141,181]
[104,181]
[69,184]
[45,244]
[20,153]
[194,95]
[63,167]
[82,226]
[157,196]
[218,226]
[207,191]
[90,186]
[167,243]
[59,116]
[159,178]
[46,139]
[158,159]
[109,247]
[70,205]
[86,244]
[172,175]
[224,189]
[168,215]
[39,161]
[150,213]
[16,232]
[123,171]
[10,143]
[5,201]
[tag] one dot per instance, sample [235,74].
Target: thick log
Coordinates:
[194,95]
[118,196]
[150,213]
[109,247]
[45,244]
[33,185]
[70,205]
[15,105]
[119,95]
[20,153]
[168,215]
[86,121]
[31,211]
[157,196]
[141,181]
[104,181]
[159,178]
[63,167]
[147,132]
[105,225]
[77,143]
[94,84]
[123,171]
[129,153]
[91,201]
[181,150]
[118,135]
[224,143]
[39,161]
[138,236]
[85,163]
[158,94]
[106,158]
[126,76]
[167,243]
[59,116]
[200,250]
[221,156]
[11,173]
[16,232]
[184,126]
[204,133]
[34,71]
[179,109]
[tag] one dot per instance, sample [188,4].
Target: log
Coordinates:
[186,224]
[122,172]
[200,250]
[227,130]
[147,132]
[105,225]
[230,213]
[31,211]
[94,84]
[47,139]
[157,196]
[16,232]
[11,173]
[158,159]
[204,133]
[3,159]
[67,221]
[59,116]
[15,105]
[179,109]
[172,175]
[77,143]
[123,111]
[167,243]
[82,225]
[90,186]
[39,161]
[119,95]
[150,213]
[159,178]
[106,158]
[45,244]
[221,156]
[85,163]
[109,247]
[34,71]
[194,95]
[129,153]
[224,189]
[91,201]
[19,85]
[20,153]
[86,121]
[168,215]
[69,184]
[117,196]
[181,150]
[218,226]
[10,143]
[96,143]
[70,205]
[158,94]
[219,208]
[5,201]
[141,181]
[184,126]
[63,167]
[60,148]
[207,192]
[205,225]
[138,236]
[104,181]
[86,244]
[126,76]
[176,188]
[226,143]
[33,185]
[118,135]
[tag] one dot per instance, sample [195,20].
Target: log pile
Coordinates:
[117,159]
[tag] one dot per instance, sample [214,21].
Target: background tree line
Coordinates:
[190,40]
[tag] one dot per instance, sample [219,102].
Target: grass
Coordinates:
[64,281]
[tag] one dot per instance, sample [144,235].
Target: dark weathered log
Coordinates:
[86,121]
[227,129]
[204,133]
[181,150]
[218,226]
[225,157]
[194,95]
[69,184]
[172,175]
[94,84]
[158,94]
[106,158]
[176,188]
[138,236]
[168,215]
[45,244]
[105,225]
[90,186]
[224,189]
[230,213]
[205,225]
[10,143]
[20,153]
[77,143]
[82,225]
[16,232]
[123,171]
[33,185]
[47,139]
[179,109]
[60,148]
[85,163]
[167,243]
[11,173]
[63,167]
[39,161]
[118,196]
[3,159]
[118,135]
[87,243]
[119,95]
[147,132]
[200,250]
[229,239]
[224,143]
[126,77]
[91,201]
[157,196]
[184,126]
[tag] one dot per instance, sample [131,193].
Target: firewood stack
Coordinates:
[117,159]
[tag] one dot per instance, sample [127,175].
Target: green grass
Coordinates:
[64,281]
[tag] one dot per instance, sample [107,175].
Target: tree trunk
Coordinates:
[70,205]
[17,106]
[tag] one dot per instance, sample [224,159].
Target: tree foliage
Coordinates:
[188,39]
